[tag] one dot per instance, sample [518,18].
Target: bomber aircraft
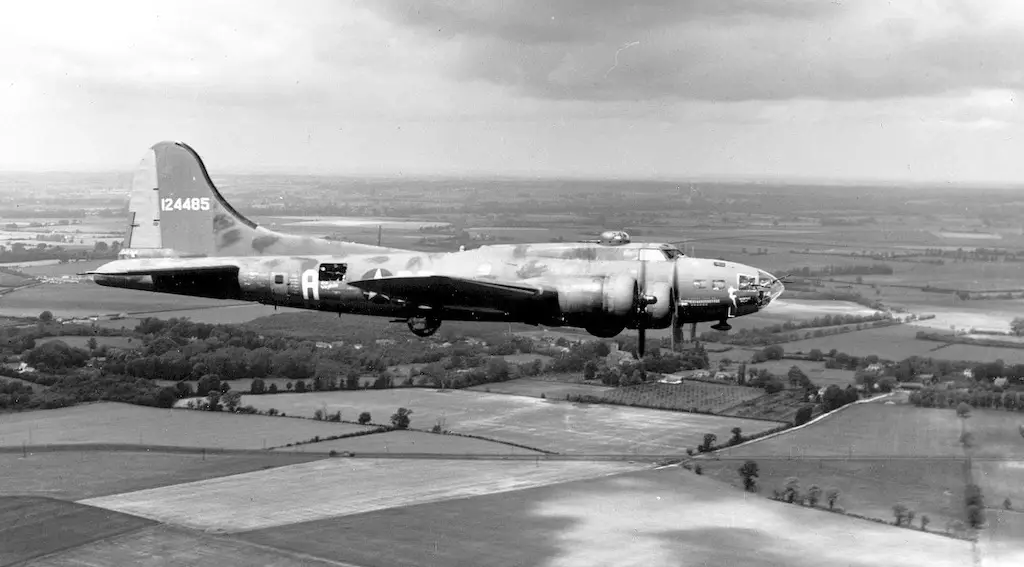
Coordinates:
[184,238]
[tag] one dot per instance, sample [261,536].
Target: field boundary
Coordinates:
[130,448]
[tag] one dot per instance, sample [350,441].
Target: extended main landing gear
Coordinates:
[722,325]
[423,326]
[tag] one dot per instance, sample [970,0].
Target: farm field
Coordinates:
[32,526]
[82,341]
[72,475]
[866,431]
[995,433]
[57,269]
[999,480]
[550,389]
[891,343]
[400,442]
[816,371]
[174,547]
[1001,542]
[86,299]
[545,424]
[979,353]
[241,502]
[111,422]
[689,395]
[870,487]
[643,518]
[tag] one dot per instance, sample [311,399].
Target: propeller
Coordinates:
[643,300]
[677,329]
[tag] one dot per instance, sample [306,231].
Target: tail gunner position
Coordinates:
[184,238]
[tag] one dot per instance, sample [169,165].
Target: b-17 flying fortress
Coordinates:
[185,238]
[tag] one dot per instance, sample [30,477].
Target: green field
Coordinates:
[544,424]
[689,395]
[816,371]
[340,487]
[174,547]
[400,442]
[663,517]
[550,389]
[979,353]
[866,431]
[127,424]
[80,341]
[879,455]
[870,487]
[73,475]
[85,299]
[32,526]
[891,343]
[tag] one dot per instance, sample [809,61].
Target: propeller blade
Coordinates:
[641,341]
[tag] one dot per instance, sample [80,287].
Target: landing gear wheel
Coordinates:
[423,326]
[722,326]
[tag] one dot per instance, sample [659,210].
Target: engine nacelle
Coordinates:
[604,305]
[659,313]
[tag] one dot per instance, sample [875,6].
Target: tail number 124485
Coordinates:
[179,204]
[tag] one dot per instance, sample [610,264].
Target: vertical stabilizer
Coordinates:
[176,211]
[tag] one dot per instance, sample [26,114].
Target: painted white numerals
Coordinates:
[179,204]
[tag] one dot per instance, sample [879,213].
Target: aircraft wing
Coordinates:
[450,292]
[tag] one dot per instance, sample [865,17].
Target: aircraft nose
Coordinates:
[770,285]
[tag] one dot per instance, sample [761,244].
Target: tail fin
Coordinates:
[175,210]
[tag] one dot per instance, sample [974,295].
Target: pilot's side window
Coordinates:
[717,284]
[746,282]
[700,284]
[332,272]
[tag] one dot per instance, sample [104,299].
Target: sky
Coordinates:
[907,91]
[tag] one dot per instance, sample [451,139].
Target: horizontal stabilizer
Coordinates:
[156,266]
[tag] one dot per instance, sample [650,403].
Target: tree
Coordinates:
[749,472]
[400,419]
[709,440]
[364,418]
[258,386]
[273,388]
[300,386]
[975,504]
[924,522]
[816,355]
[589,370]
[900,511]
[1017,326]
[46,316]
[795,376]
[792,491]
[803,415]
[737,436]
[963,410]
[91,343]
[231,400]
[813,495]
[832,495]
[1007,505]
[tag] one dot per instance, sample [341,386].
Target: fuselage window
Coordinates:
[332,272]
[717,284]
[700,284]
[278,278]
[747,282]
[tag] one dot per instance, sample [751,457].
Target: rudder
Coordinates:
[176,210]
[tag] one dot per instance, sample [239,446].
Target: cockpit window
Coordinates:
[746,281]
[673,253]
